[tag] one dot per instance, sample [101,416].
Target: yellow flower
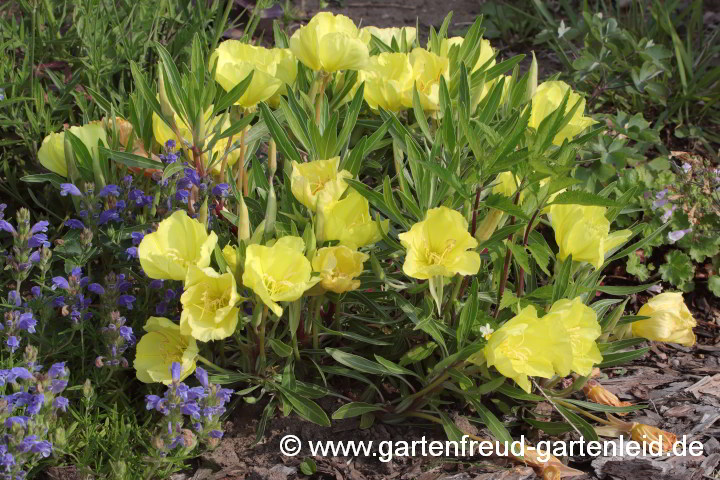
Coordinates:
[527,346]
[584,232]
[338,266]
[348,220]
[486,51]
[670,320]
[180,241]
[646,434]
[329,43]
[310,179]
[506,184]
[280,273]
[209,304]
[274,69]
[438,246]
[547,99]
[162,133]
[582,329]
[388,34]
[162,345]
[389,81]
[427,70]
[230,255]
[52,150]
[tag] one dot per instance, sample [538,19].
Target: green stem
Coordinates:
[211,364]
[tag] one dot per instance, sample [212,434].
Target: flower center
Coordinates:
[275,286]
[438,258]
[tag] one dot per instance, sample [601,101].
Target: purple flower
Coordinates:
[41,226]
[4,225]
[225,394]
[202,377]
[44,448]
[35,403]
[176,371]
[36,291]
[61,403]
[14,298]
[38,240]
[127,333]
[215,434]
[75,224]
[96,288]
[221,190]
[127,180]
[152,401]
[126,301]
[686,167]
[35,256]
[131,252]
[57,370]
[137,237]
[69,189]
[191,409]
[678,234]
[17,420]
[161,308]
[107,216]
[170,145]
[177,441]
[57,386]
[18,372]
[668,213]
[60,282]
[182,196]
[13,343]
[26,322]
[113,190]
[156,284]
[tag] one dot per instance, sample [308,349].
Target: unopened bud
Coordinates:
[88,390]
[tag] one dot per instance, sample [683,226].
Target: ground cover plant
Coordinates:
[422,230]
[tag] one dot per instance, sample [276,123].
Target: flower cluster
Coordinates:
[30,245]
[202,405]
[75,303]
[118,338]
[28,415]
[17,321]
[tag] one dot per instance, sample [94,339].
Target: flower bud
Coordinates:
[598,394]
[88,390]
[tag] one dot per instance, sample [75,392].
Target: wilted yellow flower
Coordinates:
[162,345]
[162,133]
[646,434]
[599,394]
[338,267]
[180,241]
[209,304]
[274,69]
[527,346]
[310,179]
[584,232]
[389,81]
[329,43]
[348,220]
[52,150]
[548,466]
[388,34]
[440,246]
[581,328]
[280,273]
[547,99]
[427,70]
[670,320]
[486,51]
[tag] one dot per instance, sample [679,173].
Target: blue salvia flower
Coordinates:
[69,189]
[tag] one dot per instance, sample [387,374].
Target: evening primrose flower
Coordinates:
[388,34]
[527,346]
[427,70]
[670,320]
[329,43]
[486,51]
[348,220]
[439,246]
[230,255]
[338,267]
[209,304]
[584,232]
[162,345]
[280,273]
[308,180]
[162,133]
[273,70]
[599,394]
[547,99]
[647,434]
[389,81]
[180,241]
[52,150]
[581,328]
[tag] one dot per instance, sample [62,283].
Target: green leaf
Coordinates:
[503,203]
[624,290]
[495,426]
[551,428]
[393,367]
[714,285]
[562,278]
[586,430]
[356,362]
[354,409]
[304,407]
[468,314]
[281,349]
[308,466]
[580,197]
[53,178]
[278,133]
[233,95]
[597,407]
[418,354]
[615,359]
[130,159]
[679,269]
